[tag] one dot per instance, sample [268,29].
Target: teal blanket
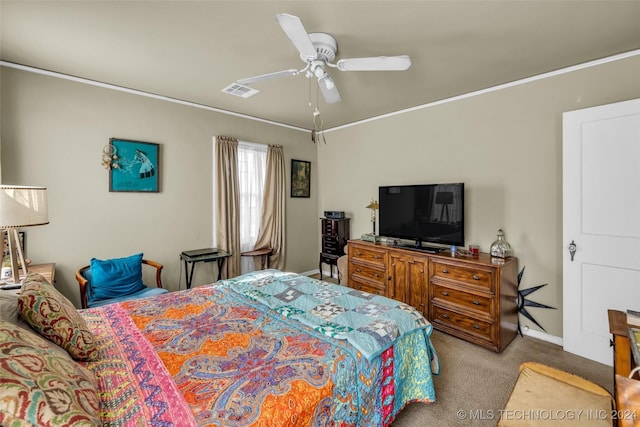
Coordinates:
[371,323]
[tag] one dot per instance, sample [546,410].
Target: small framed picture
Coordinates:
[300,178]
[135,166]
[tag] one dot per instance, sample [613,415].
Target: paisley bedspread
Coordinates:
[218,356]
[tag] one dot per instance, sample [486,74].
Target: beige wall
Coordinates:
[53,132]
[506,146]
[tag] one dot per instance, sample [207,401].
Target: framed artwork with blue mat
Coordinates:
[135,166]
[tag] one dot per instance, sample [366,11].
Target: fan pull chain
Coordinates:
[318,127]
[318,122]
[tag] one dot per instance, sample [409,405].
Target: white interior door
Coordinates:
[601,205]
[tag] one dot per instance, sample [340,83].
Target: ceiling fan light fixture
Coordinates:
[329,90]
[317,67]
[327,82]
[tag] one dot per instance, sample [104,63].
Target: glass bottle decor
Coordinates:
[500,248]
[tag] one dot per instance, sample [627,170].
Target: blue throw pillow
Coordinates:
[115,277]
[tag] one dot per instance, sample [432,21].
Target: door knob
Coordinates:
[572,249]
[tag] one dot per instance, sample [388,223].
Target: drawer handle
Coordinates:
[476,277]
[476,326]
[445,271]
[476,302]
[376,257]
[358,270]
[445,293]
[376,275]
[358,253]
[446,316]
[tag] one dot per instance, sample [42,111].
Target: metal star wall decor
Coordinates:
[523,302]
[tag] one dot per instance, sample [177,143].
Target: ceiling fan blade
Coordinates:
[293,28]
[329,90]
[376,63]
[277,74]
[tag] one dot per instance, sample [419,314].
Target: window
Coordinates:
[252,162]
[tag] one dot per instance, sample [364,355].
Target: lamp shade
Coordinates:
[444,198]
[22,206]
[373,205]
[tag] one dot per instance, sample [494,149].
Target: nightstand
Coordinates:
[48,271]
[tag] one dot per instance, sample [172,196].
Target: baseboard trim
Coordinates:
[543,336]
[317,271]
[310,272]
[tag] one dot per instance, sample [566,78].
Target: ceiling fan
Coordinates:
[318,51]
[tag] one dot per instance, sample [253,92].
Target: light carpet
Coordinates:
[474,383]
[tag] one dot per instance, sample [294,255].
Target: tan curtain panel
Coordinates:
[228,204]
[272,233]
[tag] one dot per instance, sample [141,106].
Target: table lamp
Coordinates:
[373,206]
[21,206]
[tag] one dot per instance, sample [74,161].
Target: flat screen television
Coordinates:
[428,213]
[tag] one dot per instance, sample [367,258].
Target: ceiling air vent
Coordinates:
[240,90]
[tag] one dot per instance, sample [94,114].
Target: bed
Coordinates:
[268,348]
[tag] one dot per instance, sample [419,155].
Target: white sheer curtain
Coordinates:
[252,160]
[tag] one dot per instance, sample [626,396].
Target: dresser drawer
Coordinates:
[368,287]
[368,255]
[469,275]
[483,305]
[377,275]
[460,322]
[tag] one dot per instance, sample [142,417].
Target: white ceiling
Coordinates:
[191,50]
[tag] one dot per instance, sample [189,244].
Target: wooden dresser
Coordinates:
[473,298]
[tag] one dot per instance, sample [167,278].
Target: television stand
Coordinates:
[468,297]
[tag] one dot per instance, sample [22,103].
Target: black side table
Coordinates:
[329,259]
[192,260]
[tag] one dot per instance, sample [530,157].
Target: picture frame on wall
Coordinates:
[136,166]
[300,178]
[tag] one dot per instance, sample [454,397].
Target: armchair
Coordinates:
[343,267]
[90,298]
